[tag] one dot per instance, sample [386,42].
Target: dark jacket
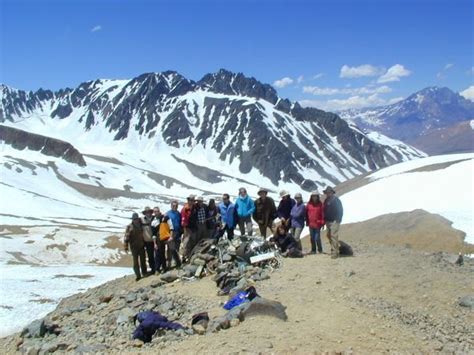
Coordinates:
[193,217]
[265,211]
[284,208]
[333,209]
[134,237]
[284,242]
[150,322]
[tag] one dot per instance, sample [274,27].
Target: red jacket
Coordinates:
[314,215]
[185,214]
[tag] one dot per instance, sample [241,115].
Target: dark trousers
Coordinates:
[161,256]
[228,230]
[138,256]
[263,229]
[150,251]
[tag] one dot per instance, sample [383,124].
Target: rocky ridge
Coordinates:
[237,118]
[20,140]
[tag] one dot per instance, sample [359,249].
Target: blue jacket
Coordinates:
[298,214]
[175,217]
[227,214]
[245,206]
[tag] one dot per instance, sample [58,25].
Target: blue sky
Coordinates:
[330,54]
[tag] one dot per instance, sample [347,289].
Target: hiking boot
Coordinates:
[313,252]
[138,278]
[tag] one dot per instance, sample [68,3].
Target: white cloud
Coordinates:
[365,90]
[360,71]
[284,82]
[356,101]
[468,93]
[96,28]
[442,74]
[318,76]
[394,73]
[300,79]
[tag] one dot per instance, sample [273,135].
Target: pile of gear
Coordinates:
[236,264]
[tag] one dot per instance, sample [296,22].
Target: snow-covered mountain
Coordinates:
[420,114]
[225,122]
[417,184]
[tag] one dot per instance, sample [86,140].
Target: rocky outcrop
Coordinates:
[20,140]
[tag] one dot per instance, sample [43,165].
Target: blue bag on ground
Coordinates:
[239,298]
[150,322]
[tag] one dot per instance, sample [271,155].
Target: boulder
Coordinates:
[126,315]
[105,298]
[36,329]
[190,270]
[467,301]
[169,276]
[199,329]
[262,306]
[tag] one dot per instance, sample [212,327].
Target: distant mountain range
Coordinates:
[422,119]
[225,123]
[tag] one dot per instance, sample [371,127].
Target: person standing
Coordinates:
[245,207]
[265,212]
[155,223]
[226,210]
[134,241]
[148,237]
[333,212]
[298,215]
[212,216]
[188,223]
[315,221]
[175,218]
[165,245]
[202,212]
[284,209]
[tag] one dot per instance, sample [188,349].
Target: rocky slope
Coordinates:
[222,119]
[385,299]
[457,138]
[415,119]
[20,140]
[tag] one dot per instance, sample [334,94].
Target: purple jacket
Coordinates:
[298,213]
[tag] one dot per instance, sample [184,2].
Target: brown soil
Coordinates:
[417,229]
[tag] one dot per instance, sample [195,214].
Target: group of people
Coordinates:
[164,238]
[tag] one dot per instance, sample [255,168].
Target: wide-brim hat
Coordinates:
[329,189]
[191,197]
[262,189]
[147,209]
[200,198]
[315,193]
[284,193]
[135,215]
[298,195]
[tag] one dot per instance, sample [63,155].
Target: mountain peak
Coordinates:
[229,83]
